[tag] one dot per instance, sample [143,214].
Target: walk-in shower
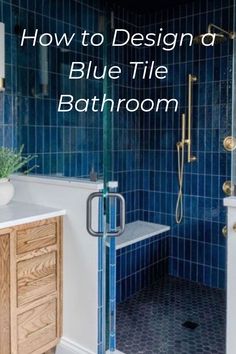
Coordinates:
[209,38]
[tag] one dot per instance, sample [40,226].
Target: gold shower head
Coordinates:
[219,37]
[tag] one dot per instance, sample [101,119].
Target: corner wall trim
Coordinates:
[67,346]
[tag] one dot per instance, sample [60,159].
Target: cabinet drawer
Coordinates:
[36,237]
[36,277]
[36,327]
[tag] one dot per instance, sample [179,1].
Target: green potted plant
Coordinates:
[11,161]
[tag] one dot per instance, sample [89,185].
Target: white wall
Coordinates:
[231,277]
[80,256]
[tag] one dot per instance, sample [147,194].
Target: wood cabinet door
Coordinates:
[5,339]
[31,287]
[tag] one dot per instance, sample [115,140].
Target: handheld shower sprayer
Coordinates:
[181,149]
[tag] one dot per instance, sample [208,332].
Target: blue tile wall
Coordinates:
[66,144]
[8,101]
[141,264]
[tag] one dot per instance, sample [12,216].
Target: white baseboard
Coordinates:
[67,346]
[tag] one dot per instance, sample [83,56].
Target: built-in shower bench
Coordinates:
[138,231]
[142,256]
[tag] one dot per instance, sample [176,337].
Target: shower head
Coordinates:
[218,37]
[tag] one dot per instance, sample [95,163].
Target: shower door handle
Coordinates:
[90,229]
[120,229]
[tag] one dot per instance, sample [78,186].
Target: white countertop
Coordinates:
[138,231]
[17,213]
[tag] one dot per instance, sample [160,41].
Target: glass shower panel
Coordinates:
[70,144]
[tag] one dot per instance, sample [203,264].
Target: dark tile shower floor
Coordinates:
[151,321]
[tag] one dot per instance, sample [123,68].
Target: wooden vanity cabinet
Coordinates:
[31,287]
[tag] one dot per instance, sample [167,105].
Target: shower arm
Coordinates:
[231,35]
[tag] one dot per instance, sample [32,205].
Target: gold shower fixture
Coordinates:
[225,231]
[220,35]
[191,80]
[181,149]
[229,143]
[223,32]
[228,188]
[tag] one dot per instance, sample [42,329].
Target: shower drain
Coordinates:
[190,325]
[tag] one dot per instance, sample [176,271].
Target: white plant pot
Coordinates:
[6,191]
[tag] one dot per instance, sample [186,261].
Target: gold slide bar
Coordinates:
[191,80]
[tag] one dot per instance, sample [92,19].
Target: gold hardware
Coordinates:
[211,26]
[183,128]
[2,84]
[180,144]
[180,151]
[228,188]
[225,231]
[229,143]
[188,141]
[191,80]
